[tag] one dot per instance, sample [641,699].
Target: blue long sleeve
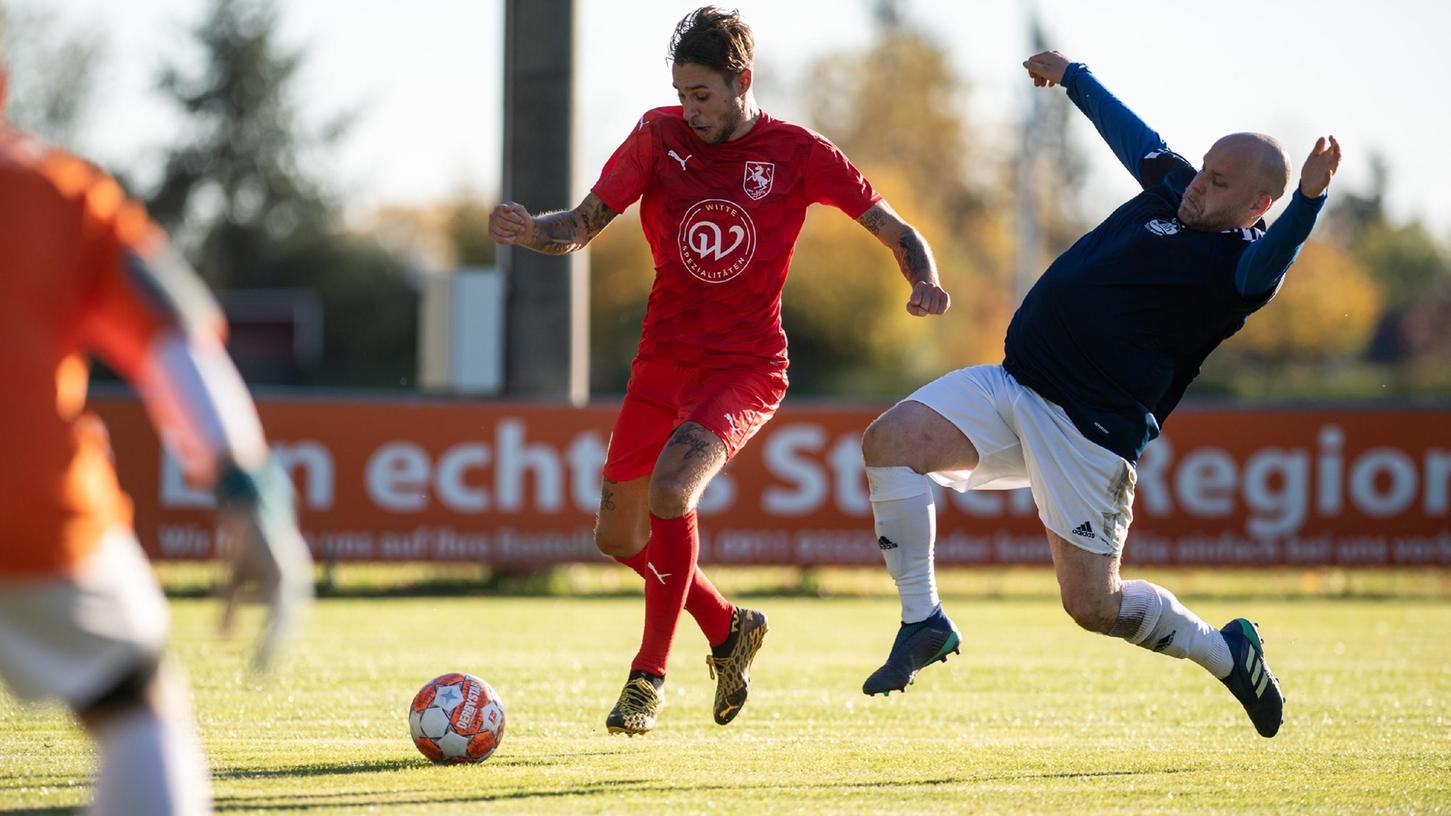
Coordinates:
[1126,134]
[1262,266]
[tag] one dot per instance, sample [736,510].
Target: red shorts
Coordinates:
[661,395]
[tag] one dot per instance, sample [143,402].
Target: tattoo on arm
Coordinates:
[872,219]
[559,233]
[915,258]
[607,496]
[913,255]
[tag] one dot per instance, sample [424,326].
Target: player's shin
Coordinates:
[151,763]
[710,609]
[673,549]
[906,526]
[1150,616]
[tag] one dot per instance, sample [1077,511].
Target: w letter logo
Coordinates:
[717,240]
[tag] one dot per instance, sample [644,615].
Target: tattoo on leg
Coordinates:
[699,447]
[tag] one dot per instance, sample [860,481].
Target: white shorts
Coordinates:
[1084,492]
[74,637]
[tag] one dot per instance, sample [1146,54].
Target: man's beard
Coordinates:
[1197,220]
[727,127]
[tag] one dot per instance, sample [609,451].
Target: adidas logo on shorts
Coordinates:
[1084,530]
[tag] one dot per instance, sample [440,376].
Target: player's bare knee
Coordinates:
[880,442]
[1092,612]
[669,498]
[615,544]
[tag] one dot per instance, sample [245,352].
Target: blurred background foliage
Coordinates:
[1366,312]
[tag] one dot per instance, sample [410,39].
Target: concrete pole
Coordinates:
[546,352]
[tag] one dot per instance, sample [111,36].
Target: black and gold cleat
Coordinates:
[730,663]
[639,704]
[917,646]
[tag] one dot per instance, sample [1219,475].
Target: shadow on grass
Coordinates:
[390,765]
[318,769]
[22,782]
[374,800]
[46,811]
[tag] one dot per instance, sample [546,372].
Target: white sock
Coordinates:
[906,526]
[151,765]
[1150,616]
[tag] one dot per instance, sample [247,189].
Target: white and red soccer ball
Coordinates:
[456,717]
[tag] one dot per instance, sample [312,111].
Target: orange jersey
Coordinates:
[82,271]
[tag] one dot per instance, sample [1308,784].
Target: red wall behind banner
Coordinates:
[518,484]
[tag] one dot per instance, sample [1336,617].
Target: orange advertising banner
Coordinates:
[517,484]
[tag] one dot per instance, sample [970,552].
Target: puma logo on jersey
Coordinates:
[676,156]
[658,574]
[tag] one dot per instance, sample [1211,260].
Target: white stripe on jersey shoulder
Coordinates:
[1156,153]
[199,404]
[1248,234]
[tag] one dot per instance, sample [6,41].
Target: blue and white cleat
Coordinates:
[1250,680]
[917,645]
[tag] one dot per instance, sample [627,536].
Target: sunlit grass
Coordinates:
[1034,717]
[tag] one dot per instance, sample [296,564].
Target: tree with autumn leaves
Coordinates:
[1365,311]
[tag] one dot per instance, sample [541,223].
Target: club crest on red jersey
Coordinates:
[717,240]
[759,176]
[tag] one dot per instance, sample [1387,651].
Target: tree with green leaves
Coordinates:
[238,193]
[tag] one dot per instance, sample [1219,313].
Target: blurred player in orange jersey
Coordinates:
[84,271]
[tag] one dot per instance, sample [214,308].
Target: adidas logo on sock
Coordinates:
[1084,530]
[886,543]
[1164,642]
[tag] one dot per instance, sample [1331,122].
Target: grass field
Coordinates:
[1034,717]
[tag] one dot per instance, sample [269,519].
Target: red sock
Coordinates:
[711,610]
[669,565]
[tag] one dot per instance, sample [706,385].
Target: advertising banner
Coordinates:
[517,484]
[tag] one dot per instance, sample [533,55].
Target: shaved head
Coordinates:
[1264,158]
[1243,174]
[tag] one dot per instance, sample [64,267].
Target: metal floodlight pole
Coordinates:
[546,347]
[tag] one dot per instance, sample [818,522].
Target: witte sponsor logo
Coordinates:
[717,240]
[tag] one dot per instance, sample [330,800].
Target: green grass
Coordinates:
[1034,717]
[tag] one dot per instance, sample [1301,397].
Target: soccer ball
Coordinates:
[456,717]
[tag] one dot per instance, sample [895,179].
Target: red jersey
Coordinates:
[722,222]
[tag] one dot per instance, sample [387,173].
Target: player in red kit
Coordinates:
[723,190]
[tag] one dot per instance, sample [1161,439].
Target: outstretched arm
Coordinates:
[914,258]
[151,319]
[1265,263]
[555,233]
[1126,134]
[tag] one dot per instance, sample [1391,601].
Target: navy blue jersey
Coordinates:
[1119,325]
